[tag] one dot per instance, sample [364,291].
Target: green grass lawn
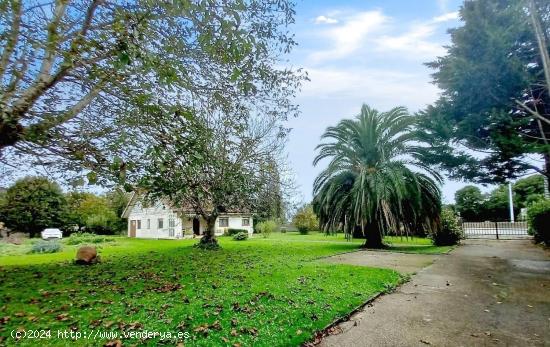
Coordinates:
[260,291]
[396,243]
[249,292]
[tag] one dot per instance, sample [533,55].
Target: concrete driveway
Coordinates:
[484,293]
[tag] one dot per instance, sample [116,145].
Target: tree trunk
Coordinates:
[373,235]
[208,240]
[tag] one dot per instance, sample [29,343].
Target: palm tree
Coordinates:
[376,180]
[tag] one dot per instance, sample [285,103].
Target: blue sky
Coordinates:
[363,52]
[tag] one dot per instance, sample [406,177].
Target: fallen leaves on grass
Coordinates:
[167,287]
[113,343]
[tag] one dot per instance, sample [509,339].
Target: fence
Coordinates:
[498,230]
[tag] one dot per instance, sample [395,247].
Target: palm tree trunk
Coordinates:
[373,235]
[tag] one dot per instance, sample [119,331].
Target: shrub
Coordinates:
[79,238]
[233,231]
[266,228]
[305,220]
[241,236]
[538,217]
[44,246]
[449,233]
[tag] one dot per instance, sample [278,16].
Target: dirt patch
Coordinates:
[401,262]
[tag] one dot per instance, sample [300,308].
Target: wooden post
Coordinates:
[496,229]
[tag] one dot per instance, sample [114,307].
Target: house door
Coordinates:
[133,228]
[196,226]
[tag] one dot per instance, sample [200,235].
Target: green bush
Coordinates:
[233,231]
[266,228]
[450,232]
[79,238]
[305,220]
[44,246]
[538,217]
[241,236]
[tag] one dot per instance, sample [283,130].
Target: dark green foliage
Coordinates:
[368,187]
[538,216]
[233,231]
[92,213]
[450,232]
[240,236]
[117,200]
[528,190]
[469,202]
[474,206]
[43,246]
[33,204]
[496,51]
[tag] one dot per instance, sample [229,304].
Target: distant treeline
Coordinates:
[34,203]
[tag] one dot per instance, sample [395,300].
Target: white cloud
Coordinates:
[371,32]
[325,20]
[381,88]
[349,36]
[415,41]
[446,17]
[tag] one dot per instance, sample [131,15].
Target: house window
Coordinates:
[224,222]
[139,224]
[171,226]
[161,223]
[246,222]
[148,224]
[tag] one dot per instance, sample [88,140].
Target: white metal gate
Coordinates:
[497,230]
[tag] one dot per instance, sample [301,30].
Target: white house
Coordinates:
[162,221]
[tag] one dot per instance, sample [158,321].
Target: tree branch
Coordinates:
[14,35]
[52,40]
[533,112]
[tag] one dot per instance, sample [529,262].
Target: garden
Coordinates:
[262,291]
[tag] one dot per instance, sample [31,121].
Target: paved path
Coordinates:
[484,293]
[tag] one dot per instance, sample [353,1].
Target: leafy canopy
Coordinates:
[33,204]
[84,82]
[478,129]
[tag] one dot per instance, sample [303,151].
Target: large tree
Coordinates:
[32,204]
[492,121]
[528,190]
[82,80]
[376,179]
[213,165]
[92,213]
[469,203]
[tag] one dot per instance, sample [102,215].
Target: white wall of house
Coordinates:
[234,221]
[146,219]
[158,221]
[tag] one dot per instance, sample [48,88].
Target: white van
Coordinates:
[51,233]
